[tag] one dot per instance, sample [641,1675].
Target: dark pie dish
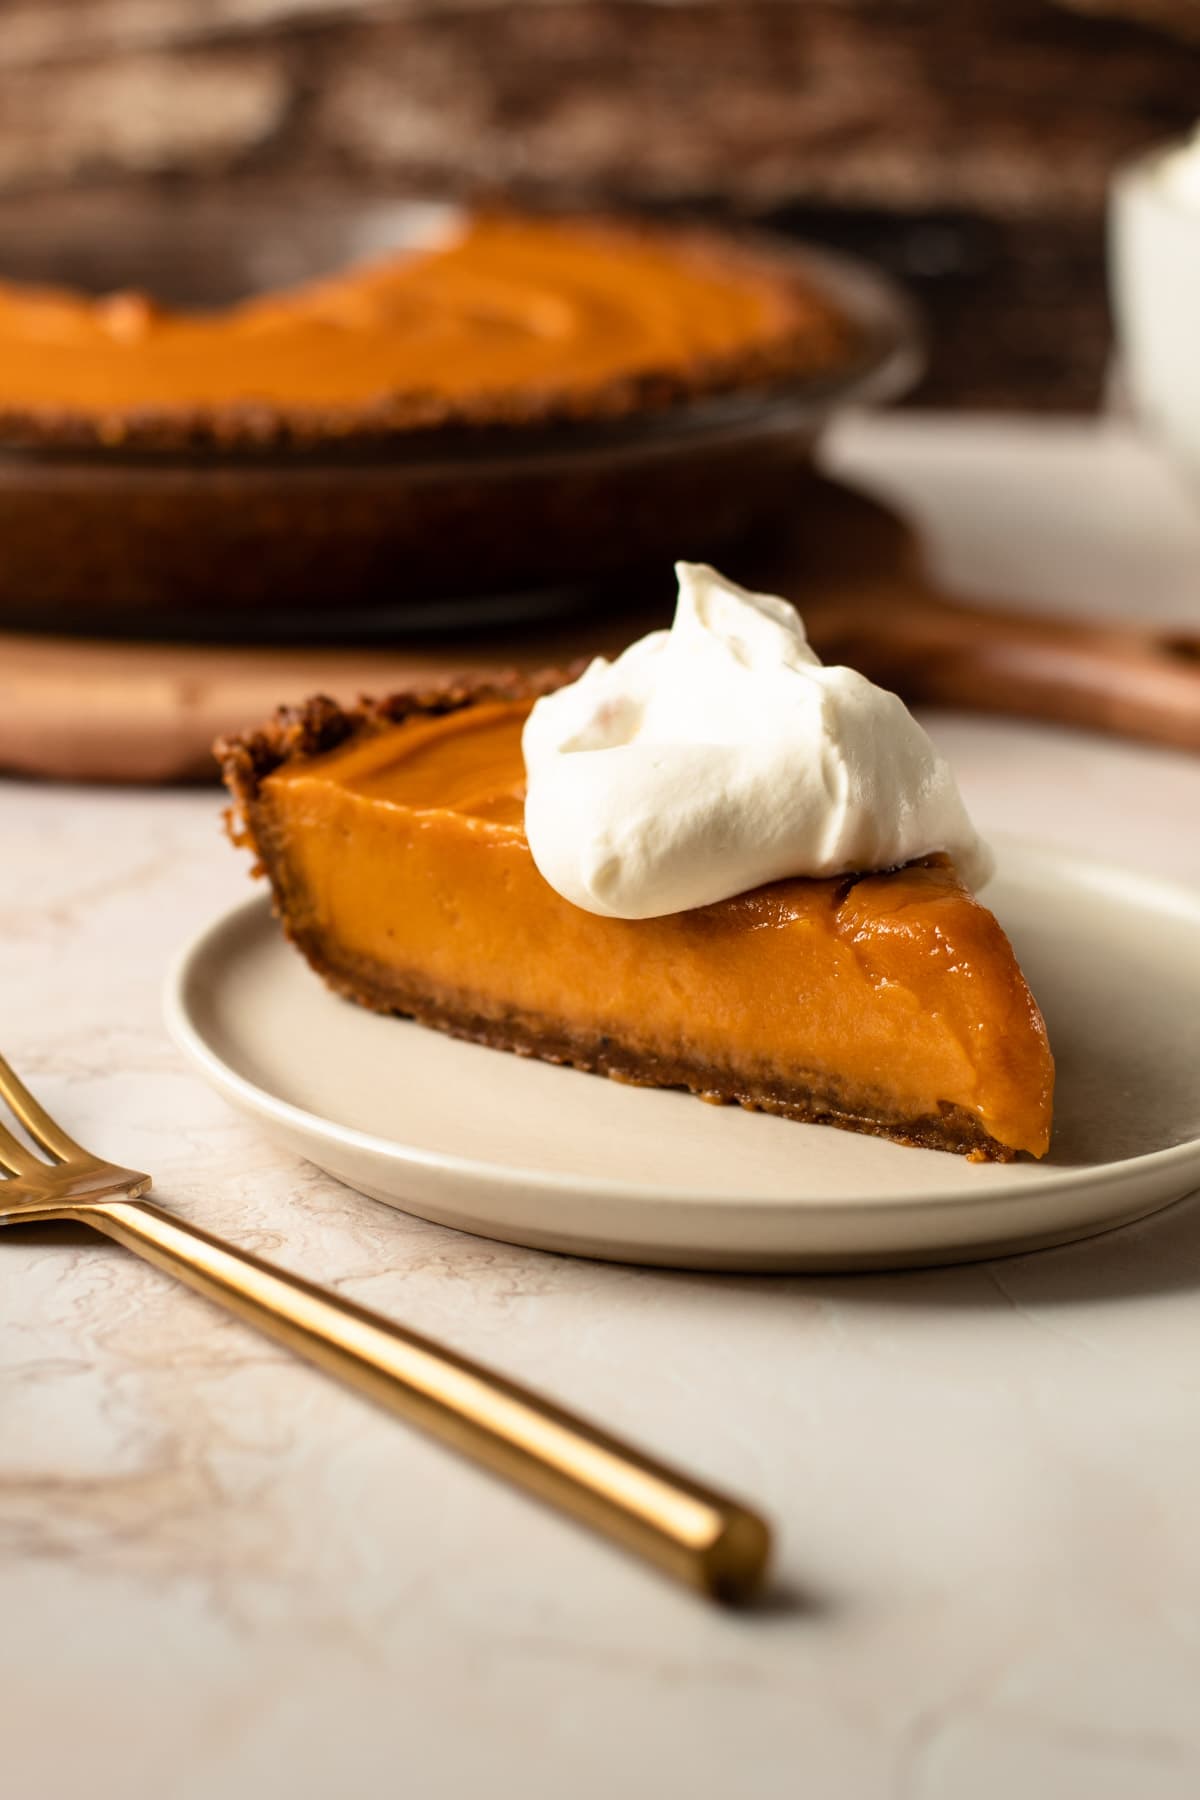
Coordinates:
[252,519]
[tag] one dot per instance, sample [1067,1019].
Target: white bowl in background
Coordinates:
[1154,272]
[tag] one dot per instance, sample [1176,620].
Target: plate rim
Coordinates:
[1164,893]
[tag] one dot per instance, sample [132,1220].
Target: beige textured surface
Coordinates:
[221,1575]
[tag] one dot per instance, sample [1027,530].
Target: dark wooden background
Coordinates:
[967,146]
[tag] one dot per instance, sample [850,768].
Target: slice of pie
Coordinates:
[393,839]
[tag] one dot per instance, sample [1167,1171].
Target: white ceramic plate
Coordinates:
[548,1157]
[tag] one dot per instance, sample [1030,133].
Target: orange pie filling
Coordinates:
[888,1002]
[505,313]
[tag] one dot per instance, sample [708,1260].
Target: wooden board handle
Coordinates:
[932,650]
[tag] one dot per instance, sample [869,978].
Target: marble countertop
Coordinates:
[222,1575]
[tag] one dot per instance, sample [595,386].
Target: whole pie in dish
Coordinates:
[392,836]
[503,321]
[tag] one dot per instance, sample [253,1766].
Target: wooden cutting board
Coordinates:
[143,712]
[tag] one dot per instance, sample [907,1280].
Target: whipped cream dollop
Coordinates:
[721,754]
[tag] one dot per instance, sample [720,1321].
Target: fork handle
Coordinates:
[686,1529]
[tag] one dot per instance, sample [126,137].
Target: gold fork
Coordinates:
[686,1529]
